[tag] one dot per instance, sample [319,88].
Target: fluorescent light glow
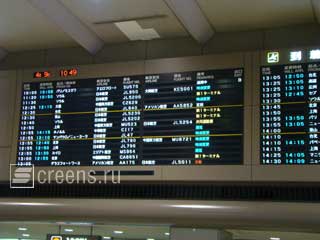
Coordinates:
[68,230]
[25,235]
[117,232]
[195,206]
[167,234]
[150,239]
[274,238]
[22,229]
[295,56]
[314,54]
[30,204]
[80,223]
[106,237]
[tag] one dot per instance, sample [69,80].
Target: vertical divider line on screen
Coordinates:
[141,134]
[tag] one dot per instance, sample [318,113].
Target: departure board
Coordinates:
[187,118]
[289,120]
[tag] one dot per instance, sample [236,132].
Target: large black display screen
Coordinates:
[187,118]
[289,120]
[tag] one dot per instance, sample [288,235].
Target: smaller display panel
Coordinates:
[289,114]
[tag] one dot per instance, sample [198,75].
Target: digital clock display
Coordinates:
[68,72]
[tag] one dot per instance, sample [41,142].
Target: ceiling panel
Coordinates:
[36,231]
[24,28]
[244,15]
[108,11]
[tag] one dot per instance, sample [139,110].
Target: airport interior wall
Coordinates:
[298,36]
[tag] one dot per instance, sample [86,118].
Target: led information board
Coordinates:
[289,115]
[187,118]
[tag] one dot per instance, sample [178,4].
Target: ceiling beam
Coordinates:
[3,53]
[192,18]
[315,4]
[70,24]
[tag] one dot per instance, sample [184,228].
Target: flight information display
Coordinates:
[187,118]
[290,100]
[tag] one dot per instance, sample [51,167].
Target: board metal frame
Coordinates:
[161,173]
[277,173]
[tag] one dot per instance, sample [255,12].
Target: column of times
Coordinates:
[271,117]
[27,125]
